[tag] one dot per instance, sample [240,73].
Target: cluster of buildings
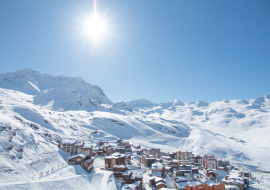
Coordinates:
[120,163]
[82,152]
[182,166]
[237,178]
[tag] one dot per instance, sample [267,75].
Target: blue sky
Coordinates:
[157,50]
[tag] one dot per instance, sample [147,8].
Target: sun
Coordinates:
[95,28]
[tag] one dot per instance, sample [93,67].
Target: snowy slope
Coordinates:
[212,124]
[37,109]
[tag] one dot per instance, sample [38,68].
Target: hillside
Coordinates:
[38,109]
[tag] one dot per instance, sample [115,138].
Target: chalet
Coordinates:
[66,144]
[100,143]
[128,159]
[99,151]
[169,168]
[158,169]
[225,169]
[118,170]
[106,146]
[88,164]
[139,152]
[119,141]
[164,154]
[120,149]
[151,181]
[87,149]
[135,186]
[160,185]
[181,179]
[204,186]
[128,146]
[110,150]
[75,147]
[181,185]
[194,170]
[183,155]
[137,146]
[236,178]
[209,161]
[166,158]
[211,172]
[173,163]
[77,159]
[185,162]
[173,155]
[114,159]
[130,177]
[183,169]
[159,160]
[147,160]
[195,160]
[223,163]
[153,151]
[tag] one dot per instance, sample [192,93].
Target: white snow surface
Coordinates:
[37,109]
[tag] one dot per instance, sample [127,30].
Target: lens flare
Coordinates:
[95,27]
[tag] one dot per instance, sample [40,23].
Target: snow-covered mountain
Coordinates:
[49,87]
[142,103]
[37,109]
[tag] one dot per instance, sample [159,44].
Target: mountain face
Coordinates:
[142,103]
[44,85]
[38,109]
[65,99]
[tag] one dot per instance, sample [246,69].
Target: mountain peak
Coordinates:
[177,102]
[33,82]
[141,103]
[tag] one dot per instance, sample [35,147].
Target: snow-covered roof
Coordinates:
[79,143]
[181,179]
[157,179]
[89,160]
[115,155]
[87,145]
[157,166]
[235,174]
[181,185]
[193,183]
[129,187]
[68,141]
[136,174]
[159,174]
[79,155]
[161,182]
[231,187]
[119,166]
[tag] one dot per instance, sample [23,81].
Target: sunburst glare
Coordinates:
[95,28]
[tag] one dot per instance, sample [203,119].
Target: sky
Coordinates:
[158,50]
